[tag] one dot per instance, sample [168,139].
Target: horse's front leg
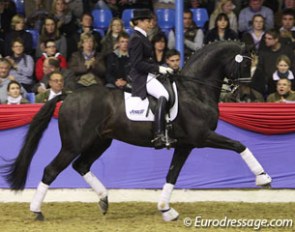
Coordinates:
[179,157]
[215,140]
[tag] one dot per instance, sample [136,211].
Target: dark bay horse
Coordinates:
[91,118]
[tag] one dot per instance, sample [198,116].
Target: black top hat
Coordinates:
[141,14]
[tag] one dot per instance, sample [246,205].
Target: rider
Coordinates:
[143,71]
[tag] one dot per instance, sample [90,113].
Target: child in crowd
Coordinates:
[283,71]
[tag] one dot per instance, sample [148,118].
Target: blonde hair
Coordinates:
[283,58]
[15,20]
[110,26]
[43,34]
[53,6]
[86,36]
[220,5]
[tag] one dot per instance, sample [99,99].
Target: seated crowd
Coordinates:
[70,53]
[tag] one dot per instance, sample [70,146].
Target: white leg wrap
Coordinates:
[38,198]
[252,162]
[163,203]
[95,184]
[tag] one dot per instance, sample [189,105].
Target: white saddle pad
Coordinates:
[137,109]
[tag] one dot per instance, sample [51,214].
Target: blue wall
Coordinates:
[127,166]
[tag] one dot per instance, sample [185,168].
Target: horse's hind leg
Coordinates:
[61,161]
[83,164]
[218,141]
[179,157]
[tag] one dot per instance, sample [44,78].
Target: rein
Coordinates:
[233,84]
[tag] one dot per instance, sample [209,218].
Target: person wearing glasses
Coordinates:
[50,50]
[56,83]
[22,64]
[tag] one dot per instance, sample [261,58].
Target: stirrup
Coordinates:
[161,141]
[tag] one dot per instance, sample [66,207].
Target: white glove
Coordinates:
[165,70]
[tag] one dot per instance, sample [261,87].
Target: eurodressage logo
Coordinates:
[138,112]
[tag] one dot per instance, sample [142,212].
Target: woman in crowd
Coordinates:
[254,38]
[22,65]
[18,31]
[159,42]
[87,61]
[109,41]
[227,7]
[221,31]
[14,96]
[66,23]
[50,31]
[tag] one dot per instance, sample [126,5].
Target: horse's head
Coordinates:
[219,60]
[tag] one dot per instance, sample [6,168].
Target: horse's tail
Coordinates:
[16,172]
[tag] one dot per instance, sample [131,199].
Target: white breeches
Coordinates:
[155,87]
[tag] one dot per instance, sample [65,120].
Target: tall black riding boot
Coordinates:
[160,140]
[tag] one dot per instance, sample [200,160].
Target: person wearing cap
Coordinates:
[143,74]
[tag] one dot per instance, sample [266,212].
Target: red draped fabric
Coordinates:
[12,116]
[266,118]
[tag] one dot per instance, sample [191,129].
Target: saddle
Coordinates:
[143,110]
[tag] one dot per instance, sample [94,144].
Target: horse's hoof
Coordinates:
[39,216]
[263,180]
[104,205]
[170,215]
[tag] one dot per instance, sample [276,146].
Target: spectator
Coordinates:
[18,31]
[154,28]
[66,23]
[5,16]
[254,38]
[109,41]
[76,7]
[33,6]
[159,43]
[5,78]
[14,96]
[35,12]
[173,60]
[118,64]
[51,32]
[255,7]
[227,7]
[267,60]
[86,27]
[49,51]
[287,31]
[22,65]
[193,36]
[287,4]
[283,65]
[283,93]
[56,83]
[221,31]
[86,60]
[51,65]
